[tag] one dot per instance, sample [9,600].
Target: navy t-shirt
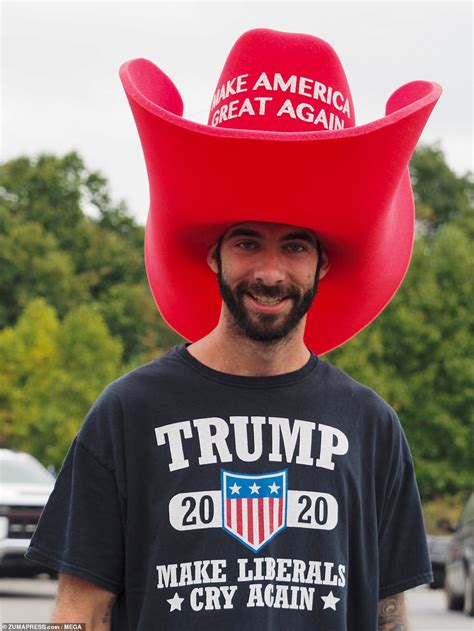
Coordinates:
[213,501]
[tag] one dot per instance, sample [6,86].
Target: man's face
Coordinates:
[267,277]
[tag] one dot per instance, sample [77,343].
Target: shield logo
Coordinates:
[254,506]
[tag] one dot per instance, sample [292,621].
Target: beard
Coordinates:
[265,327]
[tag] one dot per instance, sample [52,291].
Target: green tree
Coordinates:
[47,196]
[51,372]
[50,247]
[131,315]
[32,264]
[440,194]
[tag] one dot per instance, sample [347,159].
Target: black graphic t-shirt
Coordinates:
[212,501]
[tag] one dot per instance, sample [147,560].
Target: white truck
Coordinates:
[25,486]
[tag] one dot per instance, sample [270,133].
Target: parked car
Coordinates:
[459,582]
[438,546]
[25,486]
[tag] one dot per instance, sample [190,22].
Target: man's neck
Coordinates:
[227,351]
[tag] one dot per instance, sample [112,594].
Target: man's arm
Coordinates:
[81,601]
[392,615]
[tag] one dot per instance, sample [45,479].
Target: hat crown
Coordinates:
[277,81]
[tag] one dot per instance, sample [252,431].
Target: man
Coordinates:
[240,482]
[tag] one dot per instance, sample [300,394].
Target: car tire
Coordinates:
[453,602]
[438,579]
[469,595]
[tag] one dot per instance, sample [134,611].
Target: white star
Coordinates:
[254,488]
[175,602]
[235,488]
[273,487]
[330,601]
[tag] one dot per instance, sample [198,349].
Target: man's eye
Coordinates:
[246,245]
[295,247]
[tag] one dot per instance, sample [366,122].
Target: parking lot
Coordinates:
[24,600]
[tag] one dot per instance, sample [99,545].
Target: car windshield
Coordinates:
[25,471]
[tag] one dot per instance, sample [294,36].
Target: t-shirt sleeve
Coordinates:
[81,529]
[404,560]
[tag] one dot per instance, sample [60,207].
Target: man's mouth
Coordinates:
[265,300]
[265,304]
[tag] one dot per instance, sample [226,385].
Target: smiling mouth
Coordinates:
[268,302]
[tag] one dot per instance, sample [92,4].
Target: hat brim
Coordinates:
[350,186]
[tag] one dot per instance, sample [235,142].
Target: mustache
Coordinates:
[267,291]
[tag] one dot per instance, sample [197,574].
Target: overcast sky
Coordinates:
[60,61]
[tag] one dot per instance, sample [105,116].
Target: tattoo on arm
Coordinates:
[108,613]
[392,615]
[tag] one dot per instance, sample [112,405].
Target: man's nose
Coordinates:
[269,268]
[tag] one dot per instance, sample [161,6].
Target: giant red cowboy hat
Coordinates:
[281,146]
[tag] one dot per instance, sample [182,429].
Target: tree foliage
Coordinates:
[51,372]
[440,195]
[50,248]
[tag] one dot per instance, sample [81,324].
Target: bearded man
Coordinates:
[240,481]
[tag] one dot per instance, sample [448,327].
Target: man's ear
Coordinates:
[212,258]
[324,269]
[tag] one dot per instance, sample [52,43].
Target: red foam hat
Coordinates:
[281,146]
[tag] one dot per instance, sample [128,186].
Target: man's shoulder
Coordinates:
[156,374]
[136,387]
[340,384]
[372,418]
